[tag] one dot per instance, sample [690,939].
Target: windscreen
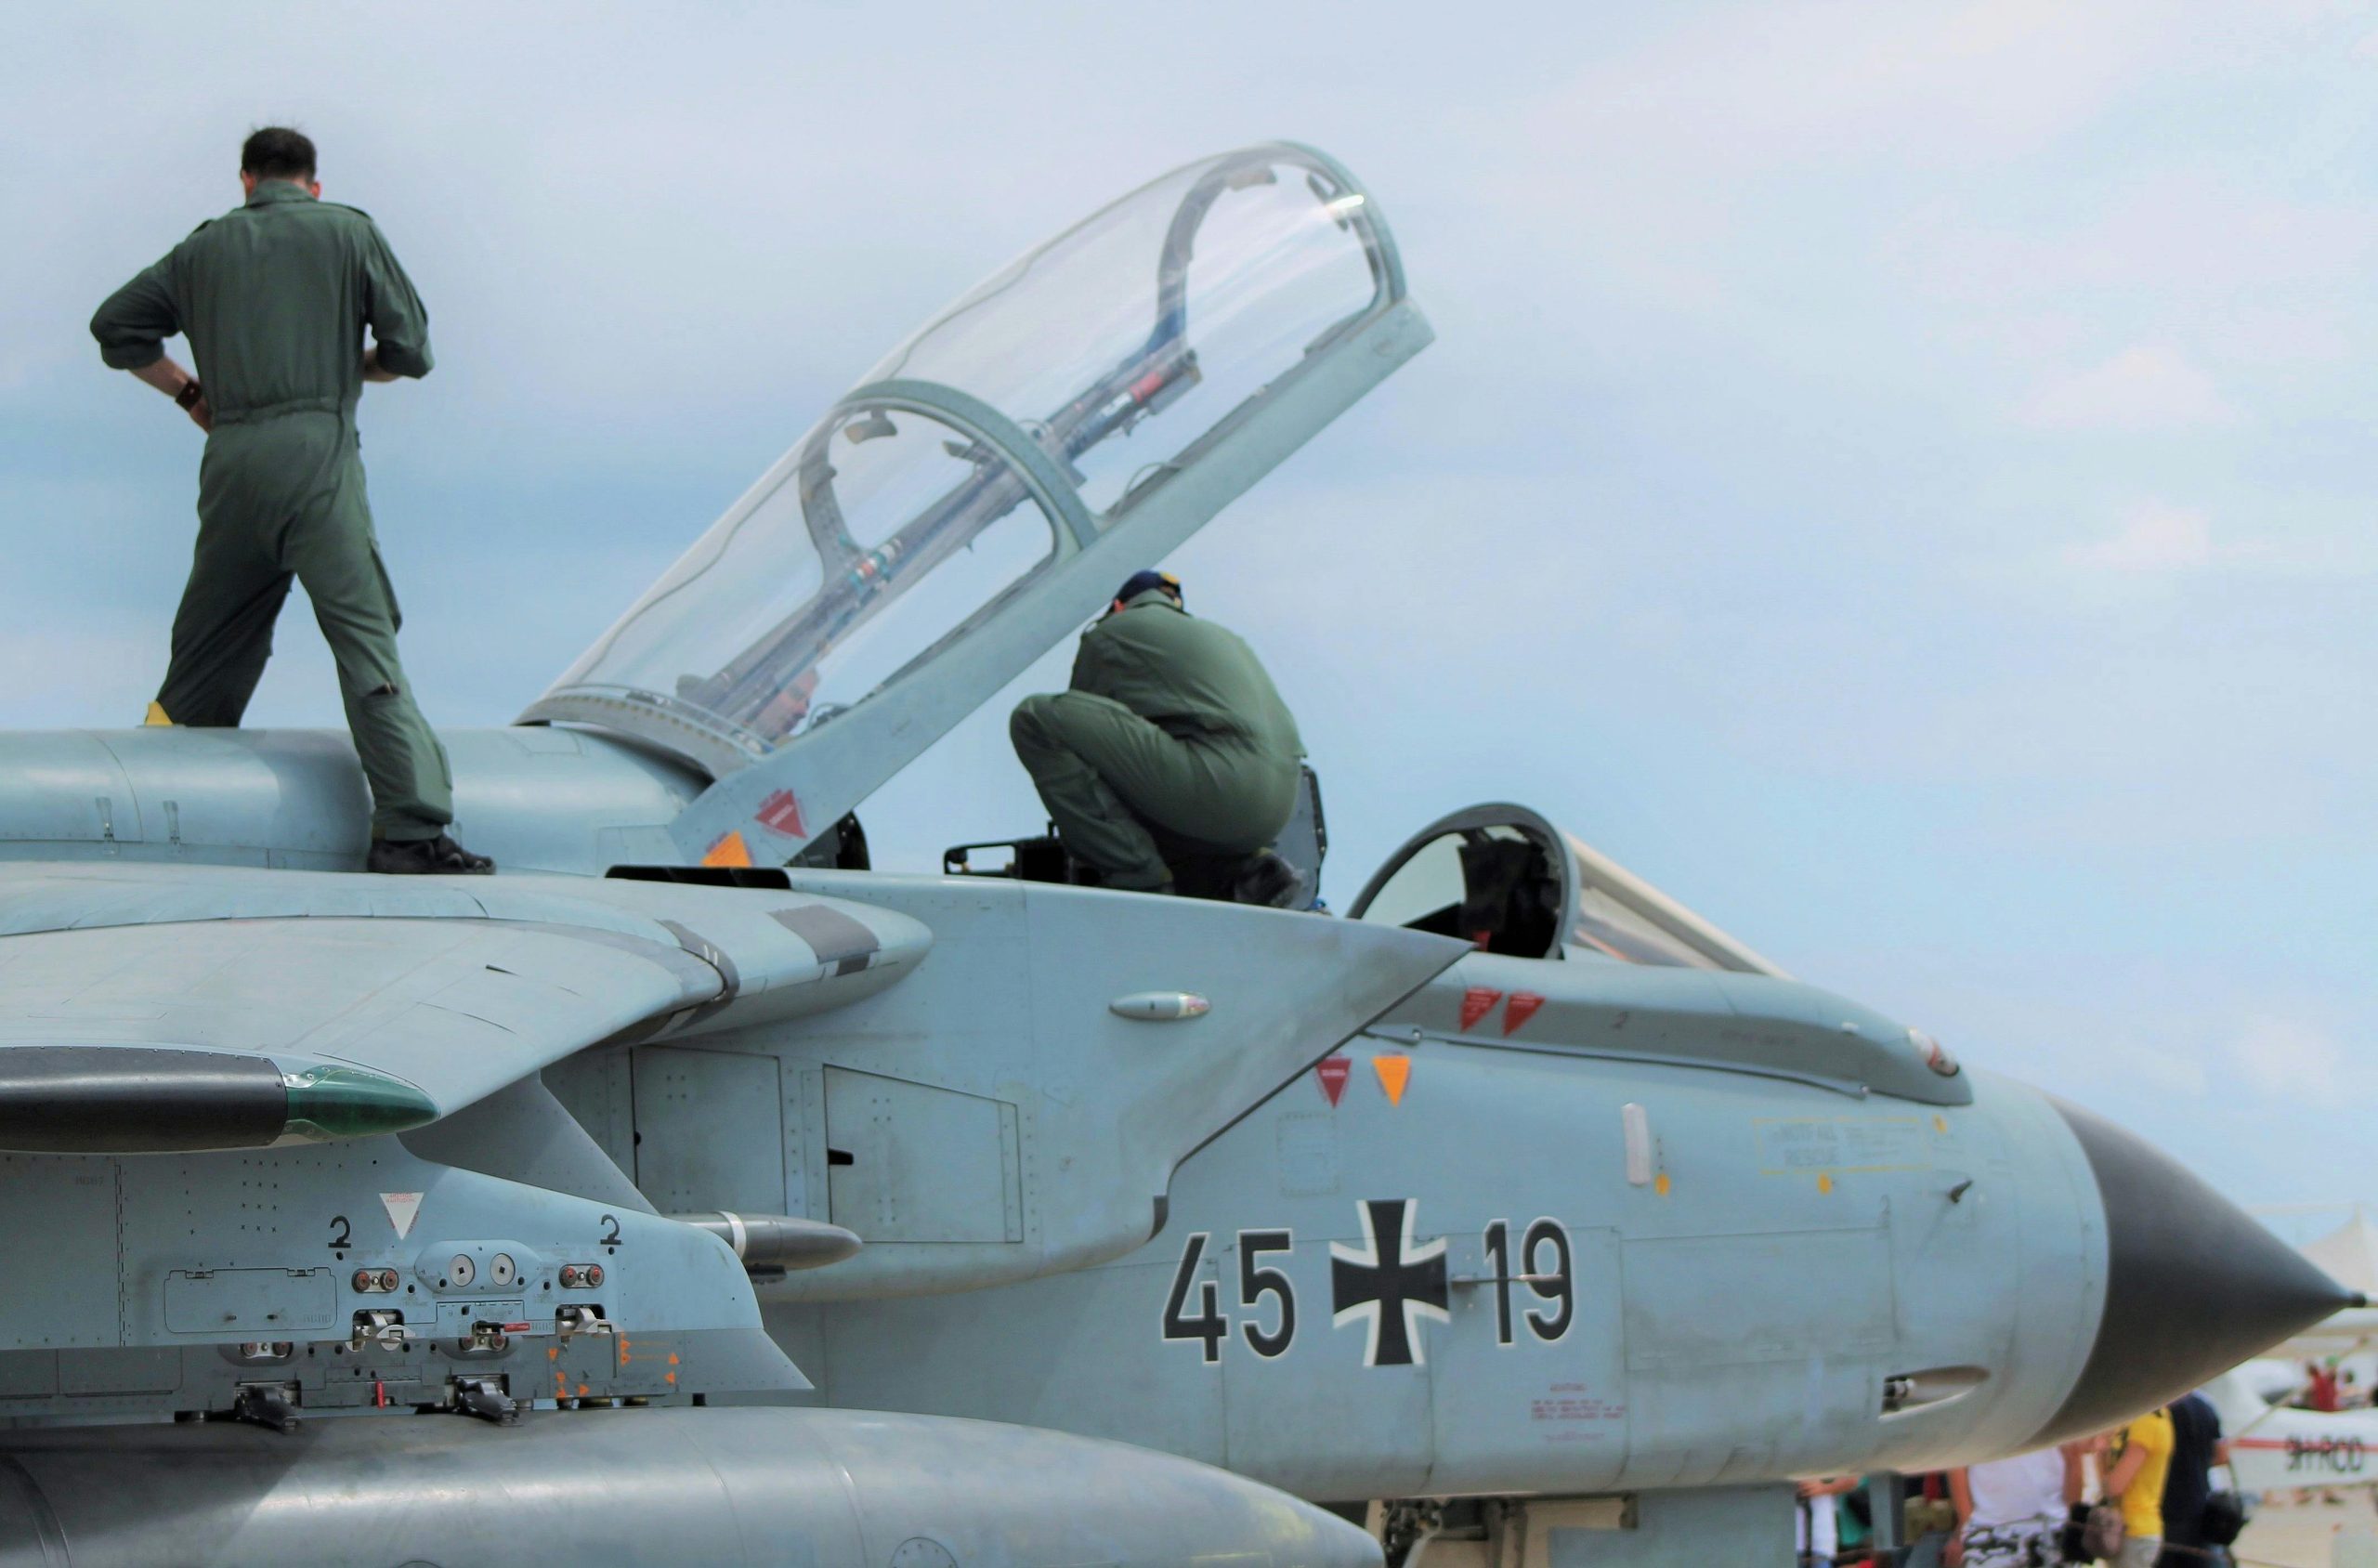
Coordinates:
[1604,925]
[1609,918]
[1015,426]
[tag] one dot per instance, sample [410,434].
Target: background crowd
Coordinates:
[2143,1496]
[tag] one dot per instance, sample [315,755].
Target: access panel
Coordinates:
[709,1130]
[908,1161]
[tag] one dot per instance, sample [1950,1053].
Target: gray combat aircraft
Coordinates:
[1524,1186]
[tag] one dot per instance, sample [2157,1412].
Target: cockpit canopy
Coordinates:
[1506,879]
[1022,426]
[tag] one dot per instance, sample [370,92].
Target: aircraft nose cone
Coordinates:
[2194,1284]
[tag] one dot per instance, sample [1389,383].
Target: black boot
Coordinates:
[1266,879]
[438,857]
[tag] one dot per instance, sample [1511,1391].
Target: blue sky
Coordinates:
[1899,478]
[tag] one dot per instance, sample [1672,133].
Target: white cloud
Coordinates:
[1820,80]
[2287,1058]
[2165,1066]
[2144,387]
[2155,539]
[82,674]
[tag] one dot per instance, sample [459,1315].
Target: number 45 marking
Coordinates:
[1256,1281]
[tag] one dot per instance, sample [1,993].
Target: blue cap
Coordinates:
[1141,581]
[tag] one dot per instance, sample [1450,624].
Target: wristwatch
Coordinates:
[191,393]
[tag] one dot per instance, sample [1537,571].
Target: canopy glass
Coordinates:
[1013,429]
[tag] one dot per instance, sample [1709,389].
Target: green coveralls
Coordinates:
[1172,725]
[274,296]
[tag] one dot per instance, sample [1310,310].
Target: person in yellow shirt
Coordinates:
[2134,1463]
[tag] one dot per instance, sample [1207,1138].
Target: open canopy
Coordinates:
[1101,397]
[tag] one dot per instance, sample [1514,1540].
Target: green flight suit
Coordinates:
[274,297]
[1172,737]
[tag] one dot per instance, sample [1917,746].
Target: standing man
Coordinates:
[2011,1511]
[1173,729]
[2196,1448]
[274,297]
[2132,1468]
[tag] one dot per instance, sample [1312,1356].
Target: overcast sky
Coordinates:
[1899,478]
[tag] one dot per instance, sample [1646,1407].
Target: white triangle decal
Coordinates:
[402,1208]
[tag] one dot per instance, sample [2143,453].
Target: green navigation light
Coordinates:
[326,1103]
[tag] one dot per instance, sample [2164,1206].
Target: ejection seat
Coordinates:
[1492,884]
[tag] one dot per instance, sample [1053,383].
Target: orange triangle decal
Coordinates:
[1394,1072]
[729,851]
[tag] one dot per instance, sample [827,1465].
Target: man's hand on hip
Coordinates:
[181,386]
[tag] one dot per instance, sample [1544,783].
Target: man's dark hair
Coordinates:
[278,152]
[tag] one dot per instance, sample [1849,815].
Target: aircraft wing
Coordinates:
[160,1008]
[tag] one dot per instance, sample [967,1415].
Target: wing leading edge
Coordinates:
[155,1009]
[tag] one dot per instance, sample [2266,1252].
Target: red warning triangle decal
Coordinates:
[780,812]
[1522,1008]
[1332,1073]
[1476,1003]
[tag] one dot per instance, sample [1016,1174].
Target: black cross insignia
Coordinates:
[1390,1286]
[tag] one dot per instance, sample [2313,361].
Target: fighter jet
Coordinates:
[1522,1186]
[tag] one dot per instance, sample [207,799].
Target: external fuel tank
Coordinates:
[594,1488]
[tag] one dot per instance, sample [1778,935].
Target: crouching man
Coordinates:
[1172,747]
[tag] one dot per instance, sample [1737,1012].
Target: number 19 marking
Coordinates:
[1551,1278]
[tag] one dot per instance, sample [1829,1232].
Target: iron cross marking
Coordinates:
[1388,1283]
